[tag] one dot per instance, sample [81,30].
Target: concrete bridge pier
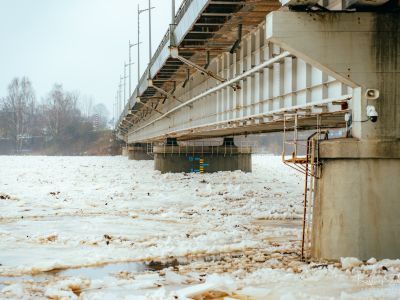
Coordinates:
[139,151]
[173,158]
[357,203]
[125,150]
[357,198]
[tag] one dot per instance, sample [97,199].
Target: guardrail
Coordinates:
[142,85]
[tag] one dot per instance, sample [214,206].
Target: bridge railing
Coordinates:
[182,10]
[161,54]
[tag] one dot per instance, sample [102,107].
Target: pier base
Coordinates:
[199,159]
[356,209]
[125,151]
[139,152]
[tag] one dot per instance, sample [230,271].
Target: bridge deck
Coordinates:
[201,26]
[231,90]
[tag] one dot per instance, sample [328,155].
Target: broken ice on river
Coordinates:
[109,228]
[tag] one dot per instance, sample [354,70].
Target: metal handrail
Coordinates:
[178,17]
[182,10]
[220,86]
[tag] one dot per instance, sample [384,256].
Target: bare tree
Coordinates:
[60,111]
[86,106]
[18,110]
[57,124]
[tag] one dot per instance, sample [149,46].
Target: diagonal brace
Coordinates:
[129,122]
[130,113]
[175,54]
[148,106]
[160,90]
[123,130]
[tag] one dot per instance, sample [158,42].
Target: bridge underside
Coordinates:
[225,71]
[257,126]
[245,85]
[215,31]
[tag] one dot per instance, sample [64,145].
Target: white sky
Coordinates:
[81,44]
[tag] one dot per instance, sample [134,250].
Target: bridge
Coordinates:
[235,67]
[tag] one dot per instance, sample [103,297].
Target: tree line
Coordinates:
[59,119]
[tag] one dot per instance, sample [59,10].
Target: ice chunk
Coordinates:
[350,262]
[215,285]
[371,261]
[172,277]
[254,293]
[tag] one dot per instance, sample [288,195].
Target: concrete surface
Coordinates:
[357,199]
[357,208]
[176,159]
[125,151]
[139,152]
[359,48]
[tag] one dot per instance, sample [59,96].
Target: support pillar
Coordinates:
[140,152]
[172,158]
[357,198]
[125,150]
[357,203]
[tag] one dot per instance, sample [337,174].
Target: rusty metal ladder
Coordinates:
[149,149]
[307,164]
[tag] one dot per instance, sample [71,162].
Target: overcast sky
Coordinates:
[81,44]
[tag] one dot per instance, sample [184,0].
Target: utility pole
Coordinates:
[173,12]
[139,12]
[116,104]
[120,95]
[125,65]
[131,63]
[150,8]
[138,48]
[172,25]
[115,110]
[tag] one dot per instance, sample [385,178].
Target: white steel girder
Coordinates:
[273,81]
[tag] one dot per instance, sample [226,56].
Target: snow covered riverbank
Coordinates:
[232,232]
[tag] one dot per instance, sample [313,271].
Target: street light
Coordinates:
[120,95]
[125,65]
[173,12]
[128,65]
[172,25]
[131,63]
[116,117]
[139,12]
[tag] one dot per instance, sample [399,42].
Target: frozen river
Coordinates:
[110,228]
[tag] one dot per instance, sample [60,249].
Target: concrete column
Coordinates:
[125,150]
[357,198]
[356,211]
[140,151]
[172,158]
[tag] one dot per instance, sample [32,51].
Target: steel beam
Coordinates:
[175,54]
[138,100]
[161,91]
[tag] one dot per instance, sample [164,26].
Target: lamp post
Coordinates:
[125,65]
[131,63]
[149,9]
[115,108]
[139,12]
[120,95]
[117,104]
[173,12]
[172,24]
[129,77]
